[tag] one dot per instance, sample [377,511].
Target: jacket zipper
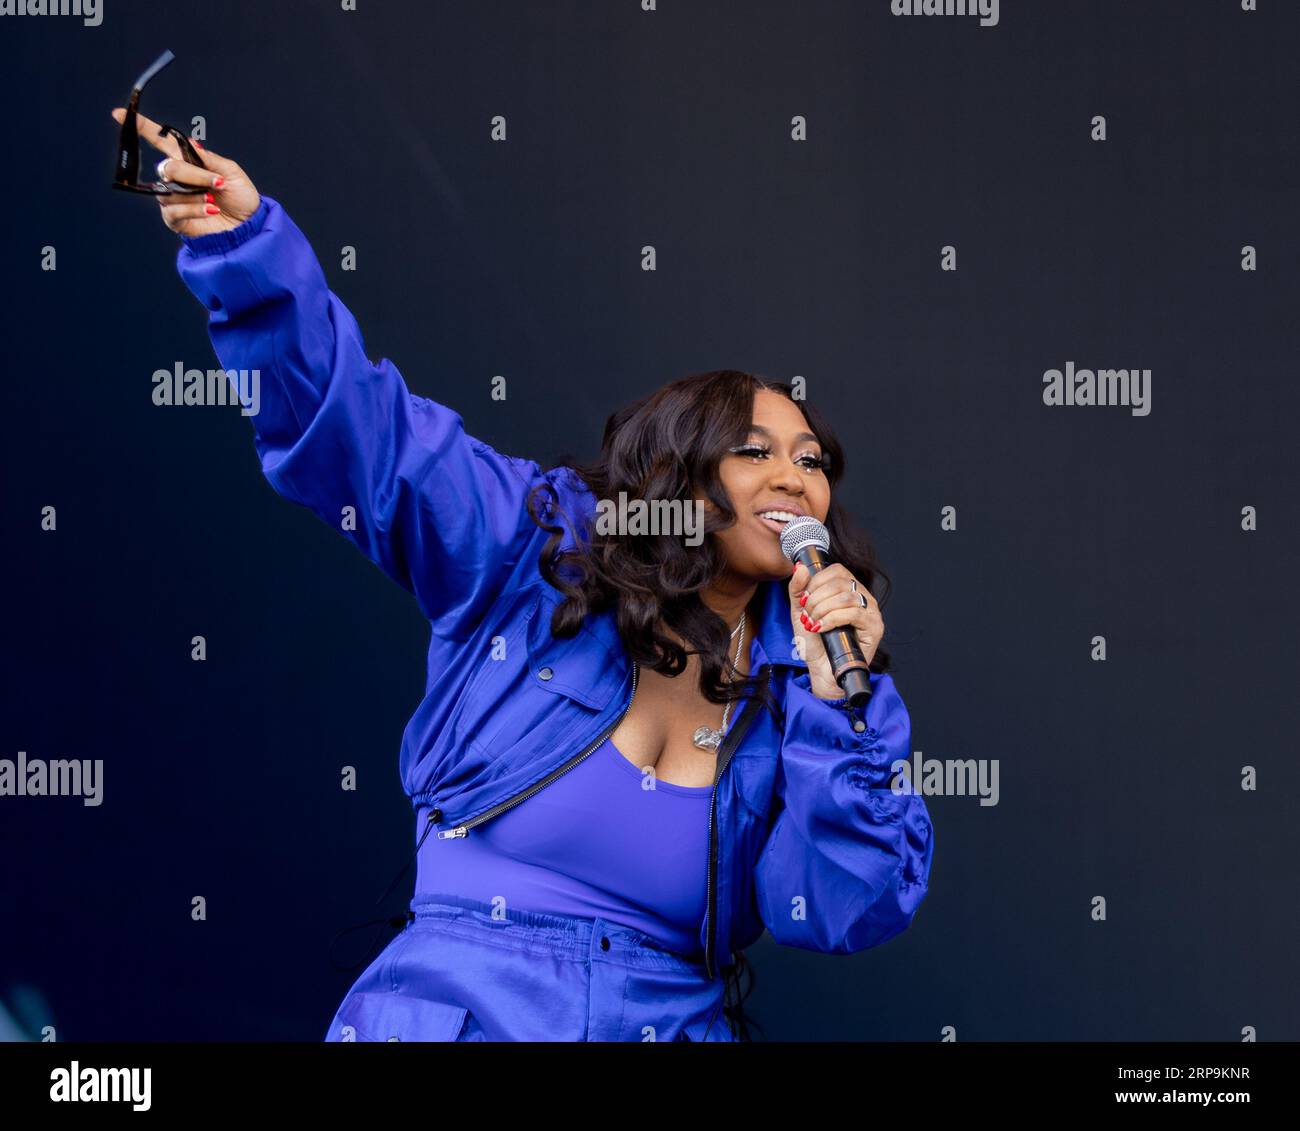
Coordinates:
[710,919]
[501,807]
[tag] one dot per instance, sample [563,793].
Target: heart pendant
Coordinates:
[706,738]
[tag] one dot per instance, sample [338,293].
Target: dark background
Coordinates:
[672,128]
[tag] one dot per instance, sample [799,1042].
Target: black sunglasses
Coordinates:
[127,172]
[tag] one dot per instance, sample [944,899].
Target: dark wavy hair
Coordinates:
[668,445]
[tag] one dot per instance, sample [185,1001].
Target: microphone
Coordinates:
[806,541]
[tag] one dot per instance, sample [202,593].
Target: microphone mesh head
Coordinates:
[801,532]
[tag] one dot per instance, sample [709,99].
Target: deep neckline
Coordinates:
[671,787]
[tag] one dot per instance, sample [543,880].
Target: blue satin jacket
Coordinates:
[808,840]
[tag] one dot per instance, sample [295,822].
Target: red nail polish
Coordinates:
[211,209]
[209,198]
[804,599]
[817,627]
[219,182]
[196,143]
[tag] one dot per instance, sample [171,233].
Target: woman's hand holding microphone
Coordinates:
[831,598]
[230,198]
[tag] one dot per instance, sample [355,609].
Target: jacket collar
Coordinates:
[773,642]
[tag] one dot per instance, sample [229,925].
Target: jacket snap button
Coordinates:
[545,673]
[604,943]
[859,726]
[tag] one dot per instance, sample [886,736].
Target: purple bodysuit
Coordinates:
[596,842]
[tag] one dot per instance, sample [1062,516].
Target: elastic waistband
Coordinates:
[567,935]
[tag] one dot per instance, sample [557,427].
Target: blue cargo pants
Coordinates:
[457,972]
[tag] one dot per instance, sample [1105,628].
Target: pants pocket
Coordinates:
[401,1017]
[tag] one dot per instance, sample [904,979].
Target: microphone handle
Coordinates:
[851,670]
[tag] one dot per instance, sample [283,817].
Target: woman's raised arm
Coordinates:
[442,513]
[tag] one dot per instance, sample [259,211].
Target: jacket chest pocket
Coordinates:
[535,691]
[754,767]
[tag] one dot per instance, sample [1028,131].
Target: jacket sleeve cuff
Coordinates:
[216,243]
[264,259]
[876,732]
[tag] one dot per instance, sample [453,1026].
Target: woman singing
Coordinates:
[633,756]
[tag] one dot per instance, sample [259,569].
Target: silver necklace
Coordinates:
[706,738]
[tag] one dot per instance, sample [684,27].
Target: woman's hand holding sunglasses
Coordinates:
[230,198]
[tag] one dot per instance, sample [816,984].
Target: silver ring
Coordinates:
[159,168]
[862,601]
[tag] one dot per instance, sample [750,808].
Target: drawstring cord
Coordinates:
[714,1015]
[390,920]
[736,1018]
